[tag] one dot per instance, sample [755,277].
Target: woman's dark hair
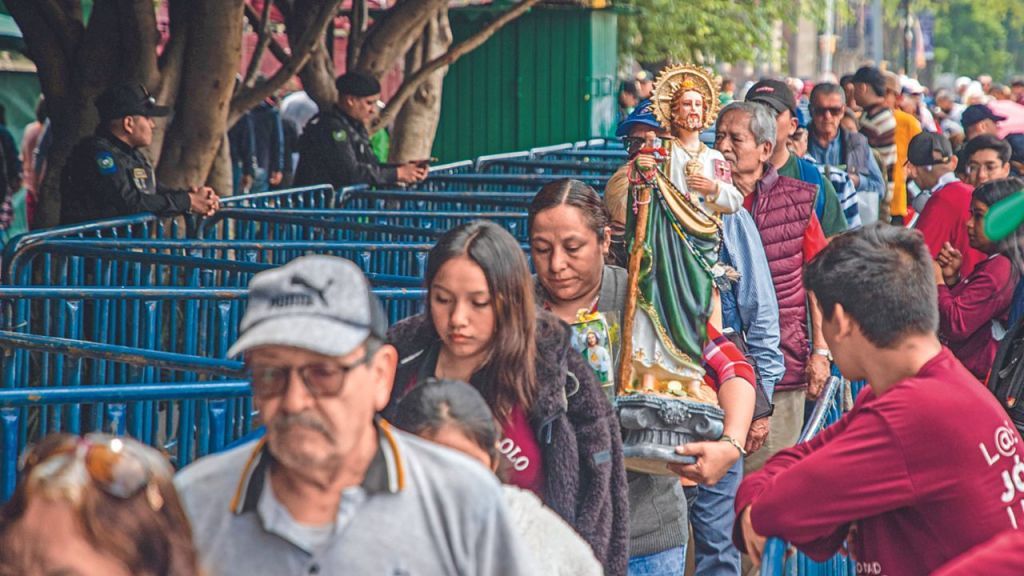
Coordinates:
[576,194]
[431,406]
[987,142]
[507,378]
[991,192]
[41,112]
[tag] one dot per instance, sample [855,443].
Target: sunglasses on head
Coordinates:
[119,466]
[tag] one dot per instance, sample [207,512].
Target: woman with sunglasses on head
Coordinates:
[569,238]
[454,414]
[560,435]
[97,505]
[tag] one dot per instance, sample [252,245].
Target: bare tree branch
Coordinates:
[279,52]
[311,38]
[138,29]
[459,50]
[261,44]
[357,32]
[391,36]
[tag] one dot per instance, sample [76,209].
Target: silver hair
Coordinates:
[827,89]
[762,122]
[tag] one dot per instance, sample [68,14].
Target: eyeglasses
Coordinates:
[632,143]
[832,110]
[120,467]
[320,378]
[990,167]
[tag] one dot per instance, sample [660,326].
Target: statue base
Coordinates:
[653,425]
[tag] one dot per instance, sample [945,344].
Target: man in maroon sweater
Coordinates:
[926,465]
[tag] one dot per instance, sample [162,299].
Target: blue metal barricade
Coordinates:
[199,323]
[781,560]
[436,201]
[185,420]
[335,225]
[553,167]
[498,182]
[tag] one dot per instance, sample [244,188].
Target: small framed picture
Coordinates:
[594,338]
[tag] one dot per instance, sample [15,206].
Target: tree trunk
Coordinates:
[416,123]
[212,54]
[318,74]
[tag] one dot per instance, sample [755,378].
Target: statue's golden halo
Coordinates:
[684,77]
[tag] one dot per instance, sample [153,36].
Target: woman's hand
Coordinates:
[950,260]
[714,459]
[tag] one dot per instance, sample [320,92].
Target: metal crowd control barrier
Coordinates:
[210,263]
[187,420]
[414,201]
[499,182]
[335,225]
[778,558]
[549,166]
[46,330]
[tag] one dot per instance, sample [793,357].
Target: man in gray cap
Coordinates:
[332,488]
[107,174]
[335,145]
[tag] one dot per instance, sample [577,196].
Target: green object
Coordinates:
[546,78]
[19,95]
[1004,217]
[380,142]
[674,286]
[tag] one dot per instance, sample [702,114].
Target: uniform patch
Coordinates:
[106,164]
[339,135]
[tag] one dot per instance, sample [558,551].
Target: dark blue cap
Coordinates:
[976,113]
[642,115]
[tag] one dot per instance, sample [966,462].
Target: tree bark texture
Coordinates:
[212,54]
[416,124]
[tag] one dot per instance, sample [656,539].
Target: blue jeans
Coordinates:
[671,562]
[711,519]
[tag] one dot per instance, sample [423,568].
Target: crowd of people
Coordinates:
[476,438]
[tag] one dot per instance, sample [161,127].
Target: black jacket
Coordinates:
[578,433]
[335,149]
[104,178]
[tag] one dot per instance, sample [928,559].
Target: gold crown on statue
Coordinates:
[673,81]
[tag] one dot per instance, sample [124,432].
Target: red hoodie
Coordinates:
[926,471]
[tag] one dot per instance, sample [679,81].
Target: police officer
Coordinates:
[335,146]
[107,175]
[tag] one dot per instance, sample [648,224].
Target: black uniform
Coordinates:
[335,149]
[105,177]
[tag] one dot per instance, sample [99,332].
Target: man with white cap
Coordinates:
[332,488]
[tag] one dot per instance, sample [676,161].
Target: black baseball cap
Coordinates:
[773,93]
[128,100]
[871,76]
[976,113]
[929,148]
[357,84]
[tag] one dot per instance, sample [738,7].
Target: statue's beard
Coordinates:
[691,122]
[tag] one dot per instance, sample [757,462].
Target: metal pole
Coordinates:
[828,39]
[908,36]
[877,53]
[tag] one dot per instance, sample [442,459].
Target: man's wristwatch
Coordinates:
[822,352]
[731,440]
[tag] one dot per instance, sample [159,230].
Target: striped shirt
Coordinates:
[879,126]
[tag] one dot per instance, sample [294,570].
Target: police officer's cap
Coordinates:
[128,100]
[357,84]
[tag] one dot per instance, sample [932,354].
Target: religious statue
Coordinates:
[687,105]
[674,240]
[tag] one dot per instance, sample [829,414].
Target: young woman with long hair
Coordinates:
[560,436]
